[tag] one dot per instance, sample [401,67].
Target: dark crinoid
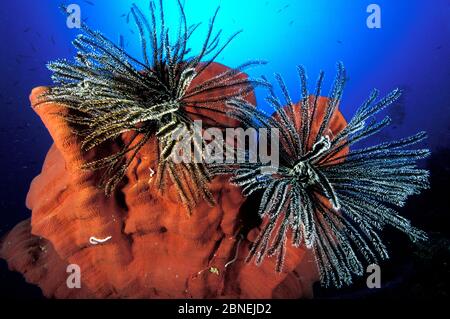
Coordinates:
[109,93]
[325,194]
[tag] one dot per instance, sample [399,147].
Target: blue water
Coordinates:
[411,51]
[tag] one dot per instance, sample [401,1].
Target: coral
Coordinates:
[155,248]
[112,200]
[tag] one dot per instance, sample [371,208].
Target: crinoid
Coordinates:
[325,194]
[108,93]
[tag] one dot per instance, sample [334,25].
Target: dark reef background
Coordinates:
[410,51]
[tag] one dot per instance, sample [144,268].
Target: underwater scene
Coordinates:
[224,149]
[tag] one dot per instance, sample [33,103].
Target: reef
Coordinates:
[155,248]
[112,201]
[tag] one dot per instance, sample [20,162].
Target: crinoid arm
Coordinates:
[109,93]
[327,195]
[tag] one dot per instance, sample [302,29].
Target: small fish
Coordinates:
[123,15]
[285,7]
[33,47]
[16,83]
[439,47]
[131,31]
[128,17]
[38,34]
[121,42]
[339,41]
[32,69]
[89,2]
[53,40]
[27,29]
[18,61]
[291,22]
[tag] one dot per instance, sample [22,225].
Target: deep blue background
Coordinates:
[410,51]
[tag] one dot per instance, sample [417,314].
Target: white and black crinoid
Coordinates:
[109,93]
[326,194]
